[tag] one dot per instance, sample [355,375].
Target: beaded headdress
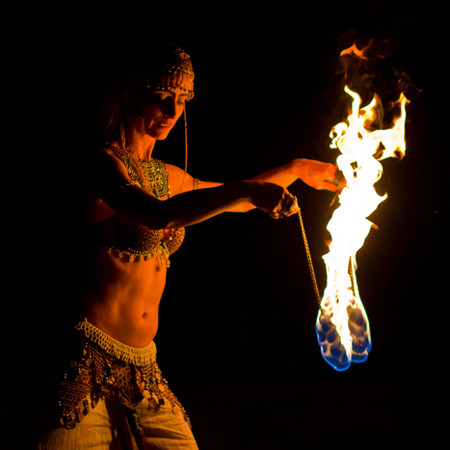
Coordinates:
[171,68]
[178,73]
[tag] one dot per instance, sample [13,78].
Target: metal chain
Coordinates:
[309,258]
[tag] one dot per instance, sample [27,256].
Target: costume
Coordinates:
[127,387]
[127,239]
[113,395]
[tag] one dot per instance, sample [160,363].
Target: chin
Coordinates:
[159,133]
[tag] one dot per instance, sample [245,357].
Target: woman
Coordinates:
[112,394]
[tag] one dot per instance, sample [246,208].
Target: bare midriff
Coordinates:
[124,297]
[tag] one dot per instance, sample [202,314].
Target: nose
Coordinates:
[169,107]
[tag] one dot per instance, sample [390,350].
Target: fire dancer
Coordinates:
[113,392]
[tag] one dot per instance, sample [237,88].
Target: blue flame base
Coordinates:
[329,340]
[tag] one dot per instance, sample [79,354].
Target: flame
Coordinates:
[342,325]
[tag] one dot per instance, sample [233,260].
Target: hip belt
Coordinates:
[107,368]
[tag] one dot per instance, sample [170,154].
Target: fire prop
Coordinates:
[342,325]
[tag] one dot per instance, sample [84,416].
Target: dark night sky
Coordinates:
[239,312]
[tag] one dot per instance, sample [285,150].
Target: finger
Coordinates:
[275,213]
[295,208]
[287,203]
[338,179]
[329,186]
[321,185]
[291,212]
[290,206]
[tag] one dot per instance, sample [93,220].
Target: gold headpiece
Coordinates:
[175,72]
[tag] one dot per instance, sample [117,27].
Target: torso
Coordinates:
[124,297]
[124,289]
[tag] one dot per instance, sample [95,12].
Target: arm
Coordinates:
[116,189]
[316,174]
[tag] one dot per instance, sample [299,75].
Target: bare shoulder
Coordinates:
[112,163]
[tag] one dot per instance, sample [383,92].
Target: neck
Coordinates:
[142,146]
[140,143]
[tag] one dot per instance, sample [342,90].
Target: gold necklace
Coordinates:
[155,177]
[150,175]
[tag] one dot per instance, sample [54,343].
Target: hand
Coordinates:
[289,206]
[275,200]
[316,174]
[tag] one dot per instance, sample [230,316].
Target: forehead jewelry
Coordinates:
[180,74]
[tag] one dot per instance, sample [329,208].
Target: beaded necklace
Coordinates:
[150,175]
[137,242]
[155,177]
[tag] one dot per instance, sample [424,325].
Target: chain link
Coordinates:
[309,258]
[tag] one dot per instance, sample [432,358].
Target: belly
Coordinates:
[122,298]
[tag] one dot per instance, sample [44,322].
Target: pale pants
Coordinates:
[105,427]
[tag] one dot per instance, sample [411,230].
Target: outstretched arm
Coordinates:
[116,189]
[316,174]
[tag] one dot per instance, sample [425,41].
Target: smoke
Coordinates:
[368,67]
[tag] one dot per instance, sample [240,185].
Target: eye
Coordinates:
[165,99]
[160,96]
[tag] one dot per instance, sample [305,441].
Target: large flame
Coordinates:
[342,325]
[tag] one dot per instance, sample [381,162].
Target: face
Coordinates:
[161,111]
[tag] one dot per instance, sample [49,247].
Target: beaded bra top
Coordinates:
[130,240]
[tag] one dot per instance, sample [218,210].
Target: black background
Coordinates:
[237,340]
